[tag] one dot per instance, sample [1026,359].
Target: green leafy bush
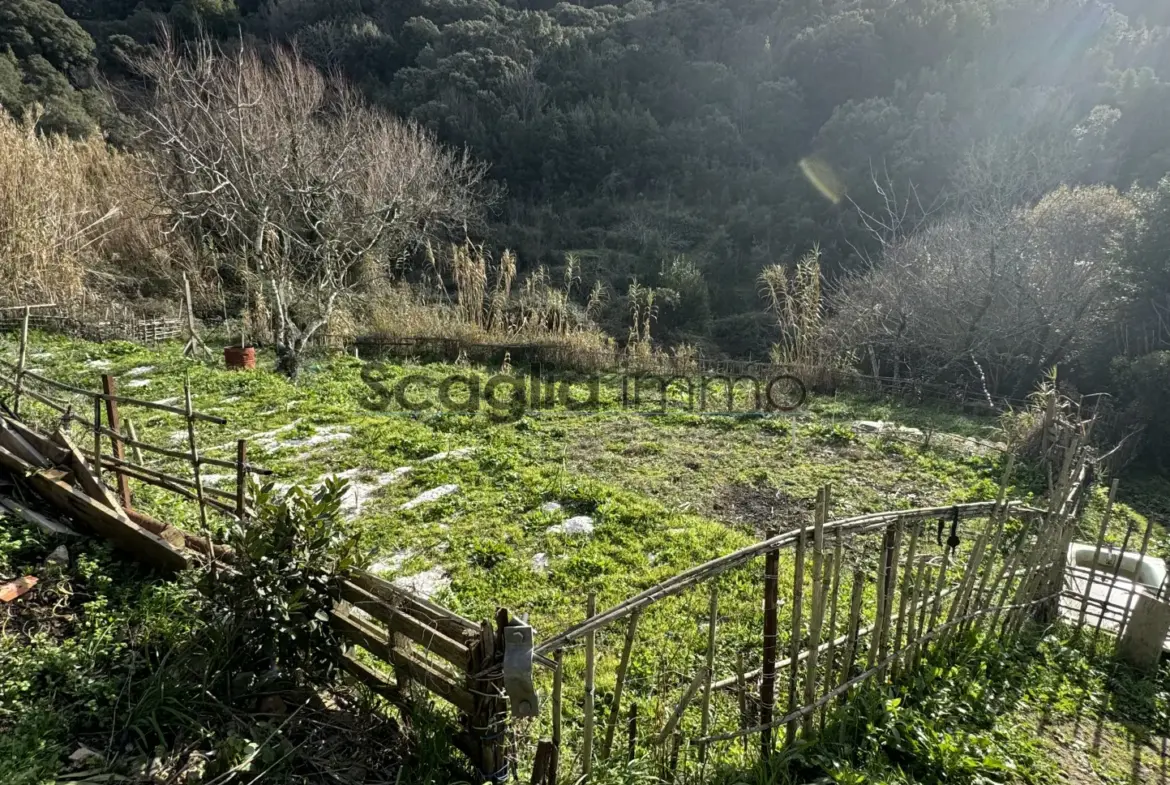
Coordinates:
[273,608]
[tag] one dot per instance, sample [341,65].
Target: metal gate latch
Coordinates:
[518,669]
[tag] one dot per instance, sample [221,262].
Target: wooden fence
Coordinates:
[108,323]
[858,600]
[414,643]
[617,361]
[787,626]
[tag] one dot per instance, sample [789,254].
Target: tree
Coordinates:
[45,63]
[993,297]
[292,183]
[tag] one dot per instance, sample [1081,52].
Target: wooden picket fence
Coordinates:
[870,597]
[109,322]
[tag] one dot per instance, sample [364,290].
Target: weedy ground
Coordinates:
[664,491]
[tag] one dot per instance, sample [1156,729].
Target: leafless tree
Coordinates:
[290,180]
[993,296]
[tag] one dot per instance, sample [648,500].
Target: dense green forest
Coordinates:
[692,145]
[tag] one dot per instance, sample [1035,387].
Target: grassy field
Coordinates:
[639,495]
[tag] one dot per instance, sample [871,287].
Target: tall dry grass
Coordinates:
[74,226]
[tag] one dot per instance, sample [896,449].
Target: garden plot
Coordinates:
[534,514]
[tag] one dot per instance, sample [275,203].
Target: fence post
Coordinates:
[818,609]
[768,670]
[242,479]
[196,465]
[558,685]
[1141,557]
[712,624]
[1092,579]
[590,664]
[21,360]
[619,685]
[97,438]
[134,442]
[794,645]
[487,724]
[110,388]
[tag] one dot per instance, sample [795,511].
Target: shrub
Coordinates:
[273,609]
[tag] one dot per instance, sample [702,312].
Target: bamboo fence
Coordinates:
[845,602]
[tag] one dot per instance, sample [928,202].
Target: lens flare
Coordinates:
[823,178]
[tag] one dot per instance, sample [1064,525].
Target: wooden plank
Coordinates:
[424,673]
[449,623]
[110,388]
[20,447]
[681,707]
[45,523]
[128,536]
[22,358]
[42,444]
[397,621]
[366,675]
[87,480]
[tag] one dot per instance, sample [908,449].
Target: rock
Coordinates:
[426,584]
[82,754]
[869,426]
[59,556]
[540,562]
[550,507]
[139,383]
[462,452]
[361,491]
[581,524]
[430,496]
[393,564]
[100,365]
[324,435]
[140,370]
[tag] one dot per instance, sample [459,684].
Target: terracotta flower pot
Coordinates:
[239,357]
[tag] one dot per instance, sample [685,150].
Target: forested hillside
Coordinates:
[693,145]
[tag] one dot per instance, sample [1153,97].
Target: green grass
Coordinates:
[667,490]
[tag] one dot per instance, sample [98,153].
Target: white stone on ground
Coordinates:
[139,383]
[581,524]
[177,437]
[540,562]
[361,491]
[215,479]
[550,507]
[426,584]
[139,370]
[429,496]
[880,426]
[325,435]
[462,452]
[168,401]
[230,399]
[393,564]
[41,356]
[100,365]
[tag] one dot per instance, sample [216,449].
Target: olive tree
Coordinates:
[292,183]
